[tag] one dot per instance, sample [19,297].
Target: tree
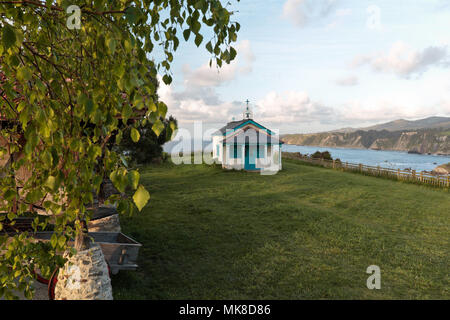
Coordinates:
[149,147]
[74,75]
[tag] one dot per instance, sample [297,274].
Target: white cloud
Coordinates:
[405,61]
[298,108]
[339,17]
[199,100]
[188,107]
[349,81]
[302,12]
[356,111]
[245,54]
[297,111]
[292,107]
[398,106]
[206,76]
[343,12]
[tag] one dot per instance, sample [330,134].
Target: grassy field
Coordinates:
[304,233]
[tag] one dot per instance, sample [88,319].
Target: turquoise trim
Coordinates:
[250,158]
[247,122]
[235,152]
[251,144]
[260,153]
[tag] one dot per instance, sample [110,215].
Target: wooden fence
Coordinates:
[423,177]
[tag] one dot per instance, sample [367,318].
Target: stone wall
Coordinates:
[106,224]
[84,277]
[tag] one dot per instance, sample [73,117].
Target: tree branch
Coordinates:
[43,5]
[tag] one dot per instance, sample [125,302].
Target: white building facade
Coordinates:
[247,145]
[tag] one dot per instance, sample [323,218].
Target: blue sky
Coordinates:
[317,65]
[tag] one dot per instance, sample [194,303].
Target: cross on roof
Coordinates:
[247,113]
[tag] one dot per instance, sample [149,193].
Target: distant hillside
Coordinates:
[402,125]
[431,135]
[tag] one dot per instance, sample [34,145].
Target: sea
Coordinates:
[385,159]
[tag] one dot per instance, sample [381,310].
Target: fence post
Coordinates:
[398,174]
[360,167]
[421,176]
[346,165]
[414,175]
[334,164]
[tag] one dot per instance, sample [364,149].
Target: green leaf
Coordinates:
[162,109]
[134,178]
[8,36]
[196,27]
[54,240]
[135,135]
[167,79]
[61,241]
[232,53]
[89,106]
[51,182]
[158,127]
[152,106]
[111,43]
[9,194]
[117,178]
[23,74]
[131,14]
[209,47]
[141,197]
[186,34]
[124,160]
[172,125]
[198,39]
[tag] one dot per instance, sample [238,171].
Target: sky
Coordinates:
[318,65]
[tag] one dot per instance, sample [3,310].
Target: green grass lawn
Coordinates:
[304,233]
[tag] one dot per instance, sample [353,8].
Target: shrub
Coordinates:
[322,155]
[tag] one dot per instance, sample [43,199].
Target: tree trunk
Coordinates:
[82,241]
[101,194]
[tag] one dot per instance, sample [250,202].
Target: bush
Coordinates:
[322,155]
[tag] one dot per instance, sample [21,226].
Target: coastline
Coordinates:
[367,149]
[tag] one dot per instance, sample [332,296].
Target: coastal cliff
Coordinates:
[425,141]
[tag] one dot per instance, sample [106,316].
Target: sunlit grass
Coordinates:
[304,233]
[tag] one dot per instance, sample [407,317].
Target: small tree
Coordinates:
[150,146]
[73,78]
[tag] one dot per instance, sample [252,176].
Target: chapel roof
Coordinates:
[252,137]
[233,125]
